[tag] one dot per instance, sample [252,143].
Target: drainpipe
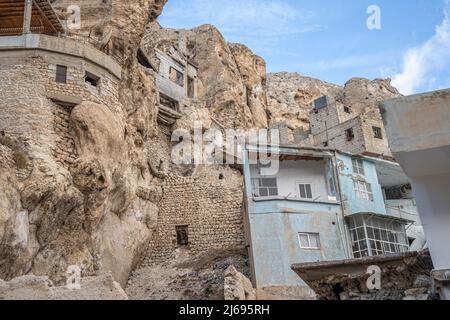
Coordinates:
[344,235]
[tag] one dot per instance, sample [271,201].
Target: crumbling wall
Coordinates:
[211,207]
[401,279]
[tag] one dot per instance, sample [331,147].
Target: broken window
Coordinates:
[61,74]
[177,76]
[373,236]
[358,166]
[378,134]
[347,110]
[168,102]
[143,60]
[363,190]
[305,191]
[309,241]
[191,88]
[349,133]
[92,79]
[182,235]
[265,187]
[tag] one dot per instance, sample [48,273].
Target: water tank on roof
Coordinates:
[322,102]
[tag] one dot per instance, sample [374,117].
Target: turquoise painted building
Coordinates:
[309,205]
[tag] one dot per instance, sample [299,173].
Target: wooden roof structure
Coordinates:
[43,18]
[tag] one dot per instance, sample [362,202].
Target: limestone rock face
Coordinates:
[364,95]
[290,96]
[237,286]
[83,206]
[114,26]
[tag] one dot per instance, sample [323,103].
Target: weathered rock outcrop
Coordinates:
[200,277]
[41,288]
[83,210]
[237,286]
[290,96]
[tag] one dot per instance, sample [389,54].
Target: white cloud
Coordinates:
[423,64]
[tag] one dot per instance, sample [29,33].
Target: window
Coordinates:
[168,102]
[373,236]
[309,241]
[92,79]
[305,191]
[347,110]
[350,134]
[363,190]
[378,134]
[182,235]
[358,166]
[177,76]
[143,60]
[265,187]
[191,88]
[61,74]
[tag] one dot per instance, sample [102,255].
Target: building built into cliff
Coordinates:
[37,56]
[338,126]
[322,205]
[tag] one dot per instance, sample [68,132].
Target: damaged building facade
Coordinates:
[322,205]
[337,126]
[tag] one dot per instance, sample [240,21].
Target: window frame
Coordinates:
[377,133]
[179,76]
[61,77]
[372,236]
[311,186]
[258,186]
[350,134]
[309,235]
[178,230]
[364,193]
[92,79]
[358,166]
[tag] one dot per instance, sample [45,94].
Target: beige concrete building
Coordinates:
[335,125]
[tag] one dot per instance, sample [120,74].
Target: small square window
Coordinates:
[92,79]
[265,187]
[61,74]
[350,134]
[177,76]
[182,235]
[378,134]
[347,110]
[305,191]
[309,240]
[363,190]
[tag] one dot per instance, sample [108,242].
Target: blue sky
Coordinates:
[329,39]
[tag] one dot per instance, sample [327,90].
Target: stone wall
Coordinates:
[337,138]
[212,210]
[64,150]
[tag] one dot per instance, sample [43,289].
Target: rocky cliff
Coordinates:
[290,96]
[89,213]
[99,207]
